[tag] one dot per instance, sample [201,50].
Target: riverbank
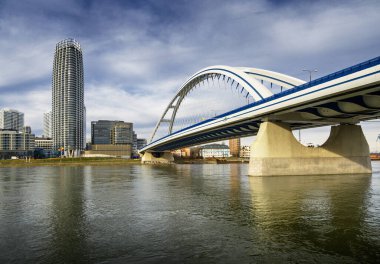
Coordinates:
[68,162]
[105,161]
[183,160]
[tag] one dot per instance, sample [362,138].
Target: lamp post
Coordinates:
[310,72]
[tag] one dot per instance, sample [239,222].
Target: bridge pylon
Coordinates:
[165,157]
[276,152]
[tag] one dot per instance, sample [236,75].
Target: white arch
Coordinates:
[245,77]
[252,86]
[280,79]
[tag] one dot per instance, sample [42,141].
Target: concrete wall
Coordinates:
[110,150]
[161,158]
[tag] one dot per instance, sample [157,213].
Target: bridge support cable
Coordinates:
[229,75]
[277,152]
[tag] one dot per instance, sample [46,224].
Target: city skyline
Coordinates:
[138,54]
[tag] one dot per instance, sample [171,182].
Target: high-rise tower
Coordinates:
[68,112]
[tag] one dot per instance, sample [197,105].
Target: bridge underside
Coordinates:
[342,109]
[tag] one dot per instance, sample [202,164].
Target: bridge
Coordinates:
[341,100]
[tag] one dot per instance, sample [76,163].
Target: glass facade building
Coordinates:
[101,131]
[16,143]
[111,132]
[68,111]
[11,119]
[122,133]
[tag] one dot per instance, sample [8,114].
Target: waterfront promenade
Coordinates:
[67,161]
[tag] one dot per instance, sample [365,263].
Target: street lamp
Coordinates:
[310,71]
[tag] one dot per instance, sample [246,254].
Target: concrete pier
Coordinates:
[276,152]
[157,158]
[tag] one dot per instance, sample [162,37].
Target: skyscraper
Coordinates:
[11,119]
[68,112]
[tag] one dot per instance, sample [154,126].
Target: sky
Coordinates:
[138,53]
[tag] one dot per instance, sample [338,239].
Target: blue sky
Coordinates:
[138,53]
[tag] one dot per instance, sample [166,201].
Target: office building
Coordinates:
[122,133]
[110,138]
[11,119]
[234,147]
[111,132]
[47,125]
[101,131]
[141,142]
[16,143]
[68,111]
[44,143]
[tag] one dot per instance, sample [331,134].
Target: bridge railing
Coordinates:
[330,77]
[333,76]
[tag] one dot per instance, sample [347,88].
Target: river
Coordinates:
[186,214]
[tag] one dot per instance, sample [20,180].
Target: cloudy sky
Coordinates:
[138,53]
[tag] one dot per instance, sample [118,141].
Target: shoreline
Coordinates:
[68,162]
[107,162]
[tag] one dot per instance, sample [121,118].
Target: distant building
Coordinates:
[245,151]
[122,133]
[111,138]
[141,142]
[44,143]
[27,129]
[183,152]
[101,131]
[16,143]
[214,151]
[11,119]
[44,148]
[47,125]
[111,132]
[234,147]
[134,145]
[68,111]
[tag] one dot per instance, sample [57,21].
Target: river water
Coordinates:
[186,214]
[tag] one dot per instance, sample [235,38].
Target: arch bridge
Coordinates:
[341,99]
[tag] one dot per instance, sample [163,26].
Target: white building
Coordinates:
[16,143]
[44,143]
[47,125]
[245,151]
[11,119]
[214,151]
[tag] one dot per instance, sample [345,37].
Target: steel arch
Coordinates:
[247,78]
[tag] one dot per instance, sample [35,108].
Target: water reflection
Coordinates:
[235,174]
[68,218]
[325,213]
